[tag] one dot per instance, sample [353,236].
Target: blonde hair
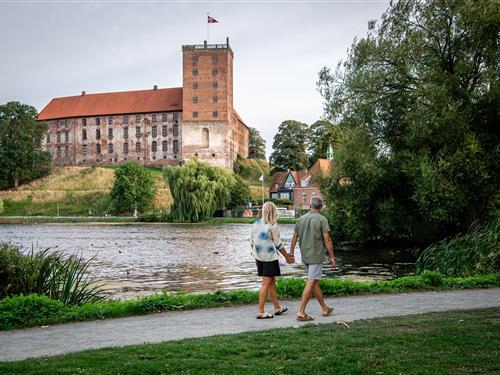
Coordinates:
[269,213]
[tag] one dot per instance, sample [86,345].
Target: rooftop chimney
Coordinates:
[205,43]
[155,87]
[227,41]
[83,93]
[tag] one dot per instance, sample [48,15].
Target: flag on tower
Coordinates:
[212,20]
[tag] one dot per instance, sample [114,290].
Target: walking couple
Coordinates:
[313,233]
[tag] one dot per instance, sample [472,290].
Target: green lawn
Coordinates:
[439,343]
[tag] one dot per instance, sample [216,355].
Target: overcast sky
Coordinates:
[59,48]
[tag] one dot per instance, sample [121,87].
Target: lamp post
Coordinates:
[261,179]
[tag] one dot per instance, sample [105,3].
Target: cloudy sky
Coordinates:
[59,48]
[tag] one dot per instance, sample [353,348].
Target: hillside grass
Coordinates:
[249,170]
[74,191]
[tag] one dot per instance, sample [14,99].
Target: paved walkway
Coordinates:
[66,338]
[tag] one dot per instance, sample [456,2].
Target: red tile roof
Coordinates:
[278,178]
[114,103]
[320,168]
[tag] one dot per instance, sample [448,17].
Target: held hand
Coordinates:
[292,259]
[332,263]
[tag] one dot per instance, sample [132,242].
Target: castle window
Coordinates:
[195,99]
[98,134]
[98,148]
[137,146]
[176,146]
[138,118]
[176,116]
[58,124]
[58,151]
[176,130]
[66,137]
[48,138]
[215,114]
[215,85]
[164,146]
[195,72]
[66,123]
[205,138]
[195,85]
[214,71]
[154,131]
[164,117]
[214,99]
[110,120]
[84,122]
[214,59]
[195,114]
[84,134]
[125,132]
[154,146]
[110,133]
[125,119]
[98,121]
[164,131]
[66,150]
[58,137]
[138,131]
[153,117]
[125,148]
[84,150]
[194,59]
[110,148]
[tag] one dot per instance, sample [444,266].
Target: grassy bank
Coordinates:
[438,343]
[34,310]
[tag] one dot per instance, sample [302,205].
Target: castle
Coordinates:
[157,126]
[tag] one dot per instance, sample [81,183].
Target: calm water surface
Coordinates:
[148,258]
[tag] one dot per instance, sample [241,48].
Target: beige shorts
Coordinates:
[314,271]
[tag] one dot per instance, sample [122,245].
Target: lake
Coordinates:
[141,259]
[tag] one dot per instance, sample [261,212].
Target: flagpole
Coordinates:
[207,26]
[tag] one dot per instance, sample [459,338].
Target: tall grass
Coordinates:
[49,273]
[473,253]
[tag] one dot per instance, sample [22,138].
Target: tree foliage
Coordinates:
[416,101]
[322,135]
[289,147]
[133,188]
[21,156]
[198,189]
[256,146]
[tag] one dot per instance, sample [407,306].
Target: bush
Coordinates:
[473,253]
[1,206]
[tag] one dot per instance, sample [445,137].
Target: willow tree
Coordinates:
[199,189]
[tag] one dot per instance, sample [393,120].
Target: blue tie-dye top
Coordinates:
[265,240]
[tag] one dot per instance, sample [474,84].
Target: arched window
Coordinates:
[205,138]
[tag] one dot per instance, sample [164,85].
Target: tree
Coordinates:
[256,146]
[421,91]
[198,189]
[240,192]
[21,156]
[133,189]
[322,135]
[289,147]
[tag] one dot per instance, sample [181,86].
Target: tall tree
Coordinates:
[289,147]
[322,135]
[421,92]
[21,156]
[257,145]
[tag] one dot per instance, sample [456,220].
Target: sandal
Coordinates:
[329,311]
[281,311]
[265,315]
[305,318]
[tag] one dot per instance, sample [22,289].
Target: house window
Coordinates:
[164,131]
[154,146]
[176,130]
[176,116]
[164,117]
[125,132]
[205,138]
[194,59]
[66,137]
[98,121]
[110,148]
[176,146]
[125,119]
[48,138]
[214,71]
[215,85]
[195,99]
[84,150]
[66,150]
[304,198]
[110,133]
[276,186]
[195,85]
[195,72]
[154,131]
[138,131]
[313,195]
[195,114]
[153,117]
[125,148]
[84,122]
[98,148]
[215,114]
[58,151]
[214,59]
[285,195]
[137,119]
[98,134]
[84,134]
[110,120]
[137,146]
[214,99]
[164,146]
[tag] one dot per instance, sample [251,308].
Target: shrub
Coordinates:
[473,253]
[1,206]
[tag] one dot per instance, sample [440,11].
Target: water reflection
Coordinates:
[148,258]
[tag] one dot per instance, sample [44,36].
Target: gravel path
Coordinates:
[66,338]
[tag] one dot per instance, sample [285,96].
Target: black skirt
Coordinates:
[269,269]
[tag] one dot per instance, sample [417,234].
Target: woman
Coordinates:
[266,243]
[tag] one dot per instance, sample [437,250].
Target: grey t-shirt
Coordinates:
[310,229]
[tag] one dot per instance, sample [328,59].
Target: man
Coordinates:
[313,233]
